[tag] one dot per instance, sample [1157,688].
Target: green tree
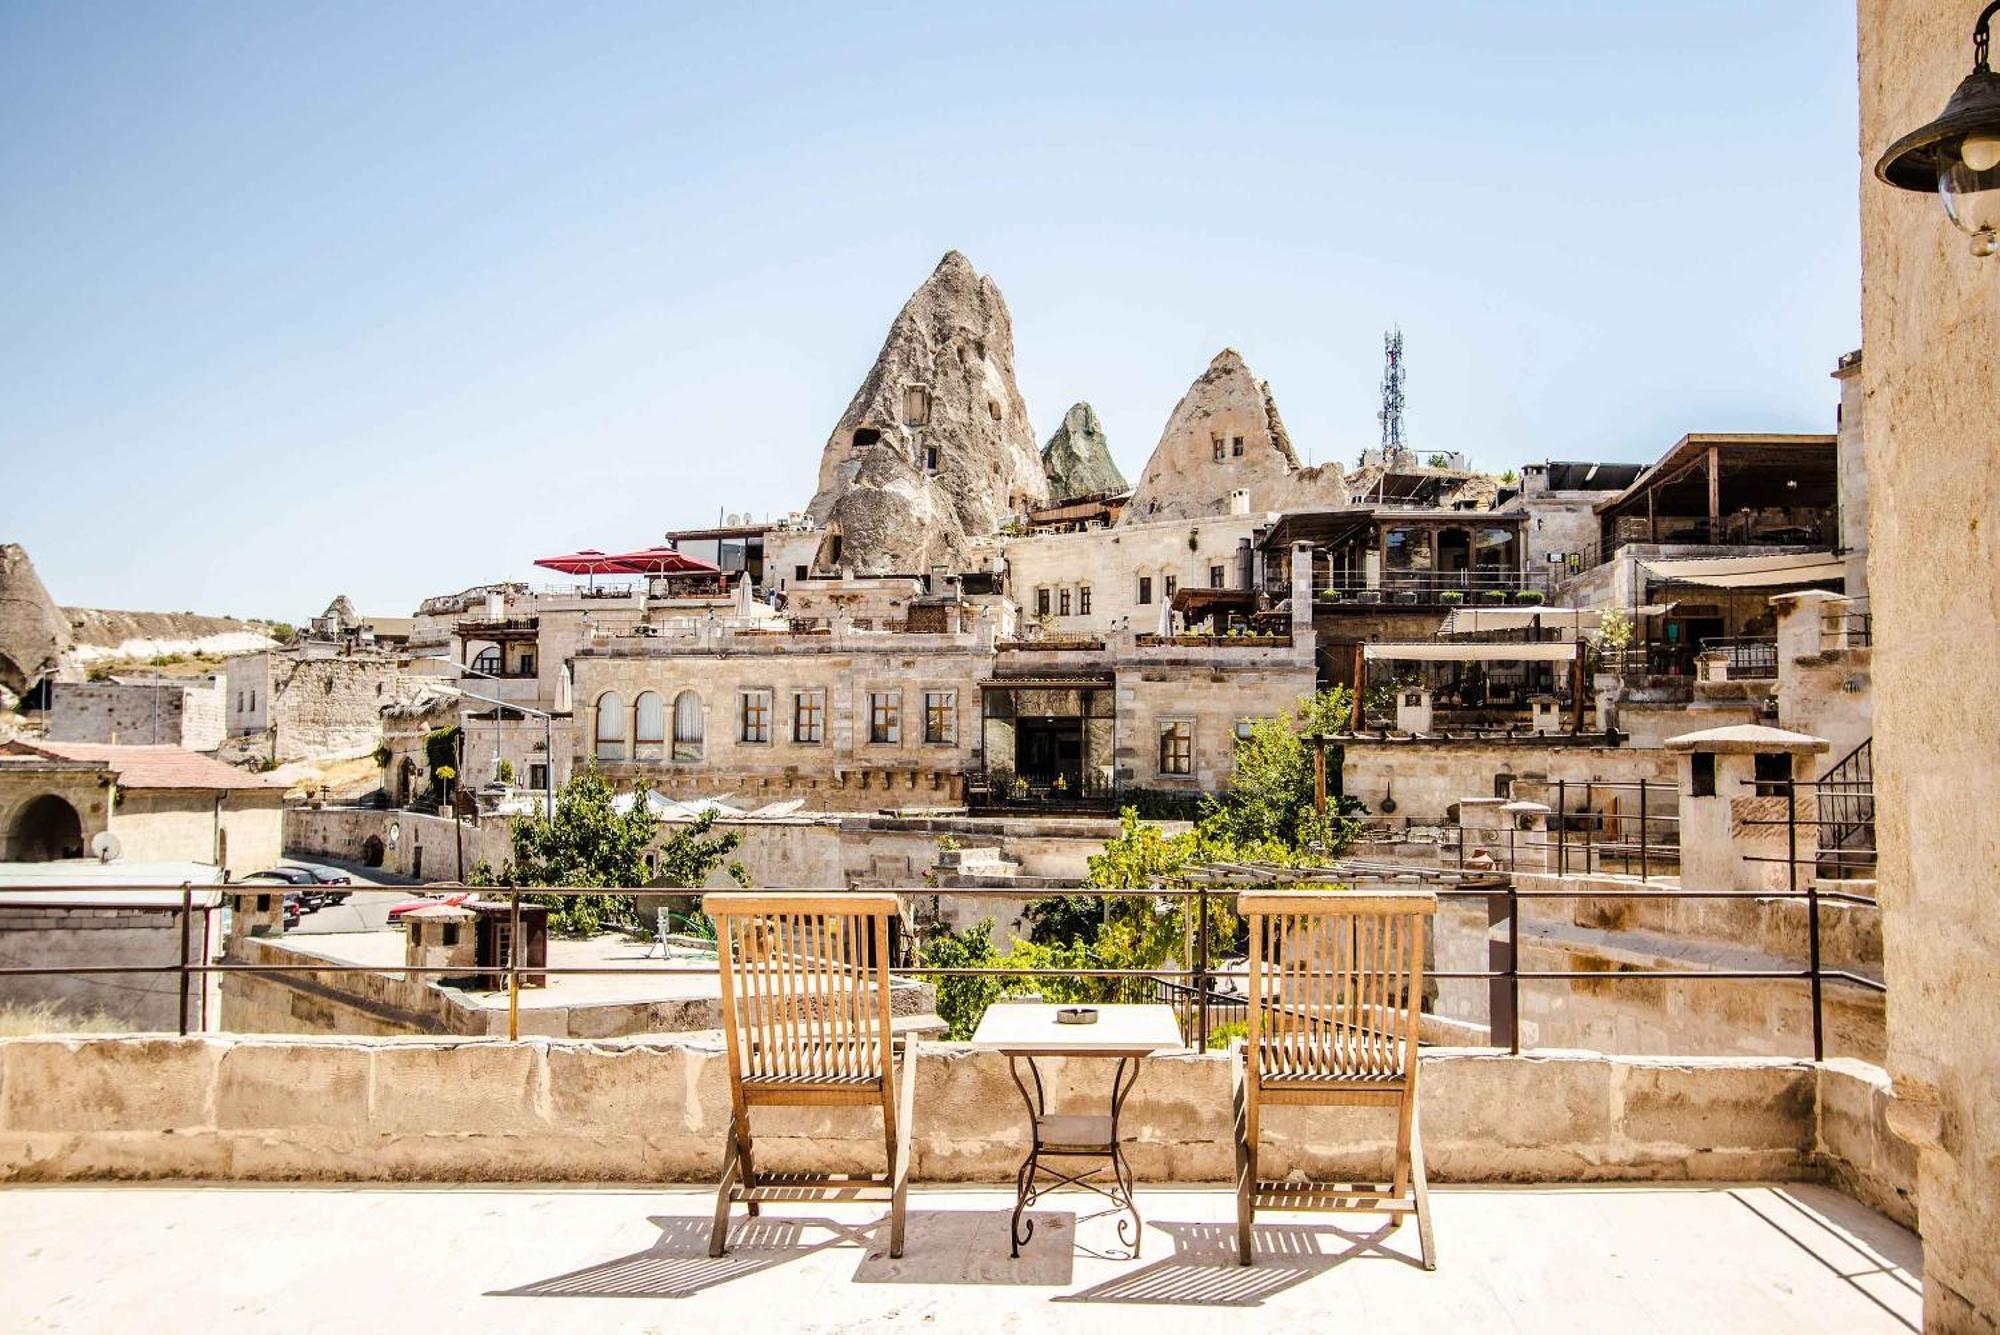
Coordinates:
[961,1001]
[590,843]
[1267,813]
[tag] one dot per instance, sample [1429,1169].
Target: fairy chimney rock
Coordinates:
[34,632]
[1225,436]
[1078,459]
[935,447]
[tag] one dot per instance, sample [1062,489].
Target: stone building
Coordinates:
[157,711]
[297,704]
[1928,376]
[158,804]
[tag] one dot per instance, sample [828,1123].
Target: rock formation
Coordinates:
[1078,459]
[34,633]
[935,447]
[1225,436]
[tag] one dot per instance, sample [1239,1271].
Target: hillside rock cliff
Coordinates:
[1078,459]
[935,447]
[1224,436]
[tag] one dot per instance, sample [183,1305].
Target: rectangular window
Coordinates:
[1236,447]
[1771,770]
[1177,748]
[799,573]
[930,459]
[1041,602]
[527,665]
[1172,582]
[1062,603]
[885,717]
[538,776]
[1243,727]
[1215,577]
[809,717]
[1145,589]
[1703,774]
[941,718]
[1219,449]
[253,697]
[755,710]
[1083,601]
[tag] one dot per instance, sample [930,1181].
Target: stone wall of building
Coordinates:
[1427,777]
[1109,562]
[310,707]
[1932,389]
[239,829]
[53,937]
[1232,686]
[656,1109]
[847,769]
[86,790]
[139,713]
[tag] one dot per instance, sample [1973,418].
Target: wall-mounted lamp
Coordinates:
[1958,154]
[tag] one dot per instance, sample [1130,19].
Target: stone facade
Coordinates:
[1091,581]
[292,705]
[1225,437]
[161,712]
[1932,391]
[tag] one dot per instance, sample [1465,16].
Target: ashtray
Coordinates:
[1077,1015]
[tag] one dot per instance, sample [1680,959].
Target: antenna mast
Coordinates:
[1391,415]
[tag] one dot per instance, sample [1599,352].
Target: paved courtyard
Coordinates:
[1627,1259]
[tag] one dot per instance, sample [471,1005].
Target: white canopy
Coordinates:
[1785,570]
[1570,620]
[1467,652]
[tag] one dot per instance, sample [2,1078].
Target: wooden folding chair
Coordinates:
[805,1009]
[1336,985]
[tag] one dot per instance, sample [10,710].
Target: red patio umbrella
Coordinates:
[663,561]
[589,562]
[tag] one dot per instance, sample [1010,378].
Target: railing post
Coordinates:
[1812,914]
[1513,966]
[1645,872]
[1201,970]
[514,968]
[1562,828]
[187,915]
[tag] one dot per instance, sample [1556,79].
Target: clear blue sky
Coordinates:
[302,299]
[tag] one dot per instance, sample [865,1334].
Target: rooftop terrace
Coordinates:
[1793,1258]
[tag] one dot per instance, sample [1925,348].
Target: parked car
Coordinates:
[323,884]
[311,898]
[294,908]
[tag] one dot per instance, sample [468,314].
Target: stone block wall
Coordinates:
[335,1109]
[173,713]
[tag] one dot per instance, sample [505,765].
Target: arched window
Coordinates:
[610,726]
[649,732]
[488,661]
[687,726]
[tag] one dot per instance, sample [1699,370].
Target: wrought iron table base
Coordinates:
[1073,1136]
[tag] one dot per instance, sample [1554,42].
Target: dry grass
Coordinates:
[47,1017]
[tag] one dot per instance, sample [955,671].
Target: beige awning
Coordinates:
[1569,620]
[1783,571]
[1465,652]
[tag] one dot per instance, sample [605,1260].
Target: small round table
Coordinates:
[1123,1033]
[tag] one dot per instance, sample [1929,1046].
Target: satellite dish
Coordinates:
[104,846]
[732,520]
[395,833]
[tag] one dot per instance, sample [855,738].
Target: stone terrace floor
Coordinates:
[1624,1259]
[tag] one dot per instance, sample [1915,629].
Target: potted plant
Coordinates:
[1495,595]
[1451,597]
[1532,597]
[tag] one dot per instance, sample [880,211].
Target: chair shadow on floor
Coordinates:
[1203,1271]
[943,1247]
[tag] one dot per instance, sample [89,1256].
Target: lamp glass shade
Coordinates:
[1971,198]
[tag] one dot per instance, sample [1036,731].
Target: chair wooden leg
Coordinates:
[1246,1171]
[1421,1188]
[732,1170]
[1399,1184]
[899,1161]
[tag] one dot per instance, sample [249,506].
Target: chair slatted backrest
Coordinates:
[1336,982]
[805,984]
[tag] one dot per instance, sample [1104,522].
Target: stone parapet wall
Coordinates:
[334,1109]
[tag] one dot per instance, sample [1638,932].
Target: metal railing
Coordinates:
[1191,984]
[1070,790]
[1436,588]
[1846,800]
[1747,657]
[1850,625]
[1698,531]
